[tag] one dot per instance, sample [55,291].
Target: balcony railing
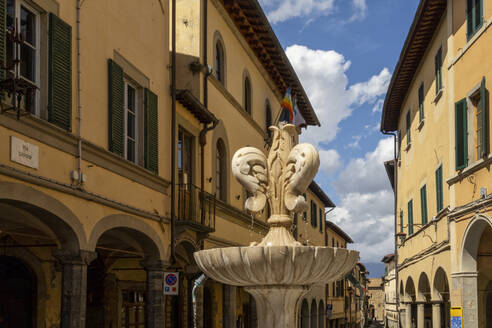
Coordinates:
[196,207]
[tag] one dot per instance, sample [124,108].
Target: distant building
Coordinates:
[375,294]
[390,314]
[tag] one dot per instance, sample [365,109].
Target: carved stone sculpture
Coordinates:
[278,270]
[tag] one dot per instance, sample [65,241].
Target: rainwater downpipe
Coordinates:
[395,183]
[79,103]
[198,282]
[173,132]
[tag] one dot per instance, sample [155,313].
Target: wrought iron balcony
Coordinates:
[196,208]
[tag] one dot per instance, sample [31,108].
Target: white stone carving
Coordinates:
[278,270]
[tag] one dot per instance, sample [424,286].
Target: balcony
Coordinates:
[196,209]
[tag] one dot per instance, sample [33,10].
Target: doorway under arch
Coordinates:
[17,294]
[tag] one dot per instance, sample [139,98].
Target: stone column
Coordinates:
[408,315]
[465,283]
[74,286]
[229,306]
[436,314]
[154,294]
[420,315]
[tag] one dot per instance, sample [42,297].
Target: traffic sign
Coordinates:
[171,283]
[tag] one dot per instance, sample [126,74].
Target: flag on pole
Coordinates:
[298,119]
[287,108]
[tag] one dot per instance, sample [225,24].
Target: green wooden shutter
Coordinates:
[151,131]
[409,137]
[320,219]
[410,217]
[401,225]
[461,134]
[3,45]
[439,193]
[438,70]
[116,112]
[60,73]
[483,119]
[421,102]
[423,204]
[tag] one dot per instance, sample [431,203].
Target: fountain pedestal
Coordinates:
[278,270]
[275,304]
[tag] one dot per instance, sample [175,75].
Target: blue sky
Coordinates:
[344,52]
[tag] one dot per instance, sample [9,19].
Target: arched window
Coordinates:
[220,171]
[314,314]
[305,314]
[247,94]
[268,117]
[219,62]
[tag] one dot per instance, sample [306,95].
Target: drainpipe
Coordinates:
[198,282]
[395,183]
[79,104]
[173,132]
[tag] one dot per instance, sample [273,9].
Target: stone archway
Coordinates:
[125,283]
[321,314]
[424,307]
[411,306]
[440,300]
[475,275]
[37,223]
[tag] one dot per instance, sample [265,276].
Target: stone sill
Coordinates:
[438,96]
[470,169]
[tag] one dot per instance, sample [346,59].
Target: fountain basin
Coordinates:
[276,265]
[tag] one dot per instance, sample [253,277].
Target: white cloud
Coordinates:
[360,10]
[355,143]
[378,106]
[365,211]
[323,75]
[370,91]
[330,161]
[282,10]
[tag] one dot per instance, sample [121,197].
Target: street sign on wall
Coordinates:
[456,317]
[171,283]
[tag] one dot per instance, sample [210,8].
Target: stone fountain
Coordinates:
[279,270]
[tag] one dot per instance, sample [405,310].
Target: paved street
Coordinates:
[374,324]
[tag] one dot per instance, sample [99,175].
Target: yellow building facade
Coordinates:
[438,105]
[87,222]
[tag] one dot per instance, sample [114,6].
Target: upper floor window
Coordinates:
[439,190]
[320,219]
[474,16]
[421,102]
[220,174]
[408,126]
[133,132]
[24,19]
[410,217]
[131,121]
[438,70]
[219,62]
[314,212]
[247,95]
[480,126]
[185,157]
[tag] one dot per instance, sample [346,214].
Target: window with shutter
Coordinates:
[439,191]
[151,148]
[474,17]
[410,217]
[320,219]
[401,225]
[304,214]
[423,204]
[116,112]
[421,103]
[60,73]
[481,118]
[438,70]
[461,134]
[408,125]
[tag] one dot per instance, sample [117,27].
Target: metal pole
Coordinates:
[173,133]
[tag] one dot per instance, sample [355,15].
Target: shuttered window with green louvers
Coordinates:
[461,134]
[151,131]
[60,73]
[439,190]
[482,119]
[410,217]
[116,110]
